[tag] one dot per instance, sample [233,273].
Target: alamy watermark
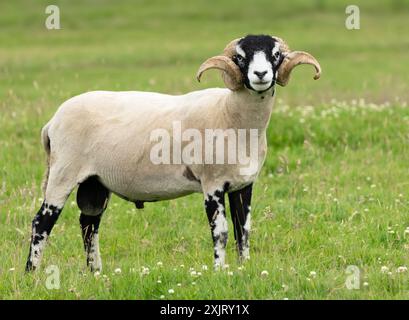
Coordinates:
[208,146]
[353,20]
[353,280]
[52,22]
[53,280]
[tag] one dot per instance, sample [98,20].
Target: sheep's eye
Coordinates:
[239,58]
[276,54]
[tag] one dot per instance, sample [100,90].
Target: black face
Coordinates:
[258,58]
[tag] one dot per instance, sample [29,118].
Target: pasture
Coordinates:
[334,190]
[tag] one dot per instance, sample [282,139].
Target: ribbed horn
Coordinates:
[231,73]
[294,59]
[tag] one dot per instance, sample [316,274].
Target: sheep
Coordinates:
[102,142]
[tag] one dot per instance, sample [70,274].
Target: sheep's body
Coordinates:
[101,141]
[107,134]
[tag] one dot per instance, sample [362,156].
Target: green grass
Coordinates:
[334,188]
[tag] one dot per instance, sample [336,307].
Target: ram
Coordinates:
[102,142]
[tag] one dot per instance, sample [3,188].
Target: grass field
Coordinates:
[334,190]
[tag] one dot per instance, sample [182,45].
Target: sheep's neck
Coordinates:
[248,110]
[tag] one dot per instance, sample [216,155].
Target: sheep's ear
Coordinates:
[293,59]
[231,73]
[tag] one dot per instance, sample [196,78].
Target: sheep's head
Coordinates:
[258,63]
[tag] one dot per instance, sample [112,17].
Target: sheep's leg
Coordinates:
[215,209]
[89,229]
[92,199]
[57,191]
[41,228]
[240,202]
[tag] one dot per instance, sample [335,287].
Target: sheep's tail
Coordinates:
[45,139]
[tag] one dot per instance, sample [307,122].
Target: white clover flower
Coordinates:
[159,264]
[240,268]
[179,284]
[193,283]
[384,269]
[145,271]
[313,274]
[193,273]
[226,266]
[12,269]
[159,281]
[264,273]
[97,274]
[171,291]
[365,284]
[118,271]
[402,269]
[204,267]
[230,273]
[162,296]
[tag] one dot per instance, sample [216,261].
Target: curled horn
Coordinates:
[293,59]
[231,73]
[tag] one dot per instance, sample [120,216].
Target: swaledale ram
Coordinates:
[101,142]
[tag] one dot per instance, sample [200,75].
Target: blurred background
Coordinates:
[158,45]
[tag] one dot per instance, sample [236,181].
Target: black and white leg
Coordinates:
[89,230]
[58,188]
[240,206]
[42,225]
[92,199]
[62,179]
[216,214]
